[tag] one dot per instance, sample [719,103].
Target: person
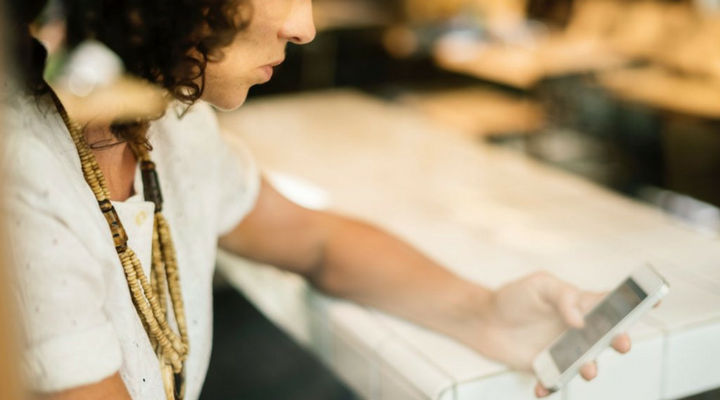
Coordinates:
[115,226]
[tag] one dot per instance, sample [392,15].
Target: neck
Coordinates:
[117,162]
[100,137]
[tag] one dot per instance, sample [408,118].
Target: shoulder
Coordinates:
[186,135]
[36,144]
[40,167]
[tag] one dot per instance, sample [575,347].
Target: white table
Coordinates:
[489,215]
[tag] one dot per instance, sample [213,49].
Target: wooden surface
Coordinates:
[491,216]
[349,14]
[601,35]
[523,66]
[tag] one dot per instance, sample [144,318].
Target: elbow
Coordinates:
[327,277]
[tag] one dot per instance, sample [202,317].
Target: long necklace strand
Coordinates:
[148,297]
[164,259]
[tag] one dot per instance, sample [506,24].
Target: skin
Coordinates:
[351,259]
[273,25]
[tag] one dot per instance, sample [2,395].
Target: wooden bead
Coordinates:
[151,184]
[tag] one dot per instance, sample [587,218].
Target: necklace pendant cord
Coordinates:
[173,383]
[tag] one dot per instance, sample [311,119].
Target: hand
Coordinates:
[524,316]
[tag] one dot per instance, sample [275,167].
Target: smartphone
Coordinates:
[617,312]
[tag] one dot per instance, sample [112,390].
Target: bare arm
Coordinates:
[111,388]
[355,261]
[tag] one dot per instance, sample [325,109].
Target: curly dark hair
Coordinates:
[155,38]
[29,54]
[166,42]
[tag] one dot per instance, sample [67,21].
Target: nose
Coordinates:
[299,27]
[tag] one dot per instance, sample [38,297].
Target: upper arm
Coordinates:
[281,233]
[60,283]
[259,223]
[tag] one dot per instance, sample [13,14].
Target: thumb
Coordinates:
[564,298]
[568,305]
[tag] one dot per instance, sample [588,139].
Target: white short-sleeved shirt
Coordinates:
[79,321]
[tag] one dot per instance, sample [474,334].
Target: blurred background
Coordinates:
[622,93]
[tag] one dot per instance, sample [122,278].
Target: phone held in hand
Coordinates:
[616,313]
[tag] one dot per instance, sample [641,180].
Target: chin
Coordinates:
[228,102]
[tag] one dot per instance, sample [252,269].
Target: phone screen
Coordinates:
[616,306]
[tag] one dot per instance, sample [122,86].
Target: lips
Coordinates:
[267,72]
[268,69]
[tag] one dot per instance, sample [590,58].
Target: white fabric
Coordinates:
[80,324]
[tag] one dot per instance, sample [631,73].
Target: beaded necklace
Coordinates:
[149,297]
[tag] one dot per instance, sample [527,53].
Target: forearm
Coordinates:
[355,261]
[369,266]
[352,260]
[111,388]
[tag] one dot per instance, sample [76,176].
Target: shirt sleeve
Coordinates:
[59,284]
[237,176]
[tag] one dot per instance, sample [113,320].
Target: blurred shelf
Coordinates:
[524,66]
[662,89]
[349,14]
[479,112]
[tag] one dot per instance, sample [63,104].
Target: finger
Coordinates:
[589,300]
[565,298]
[540,391]
[589,371]
[569,307]
[622,343]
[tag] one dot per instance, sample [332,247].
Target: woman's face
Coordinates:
[250,59]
